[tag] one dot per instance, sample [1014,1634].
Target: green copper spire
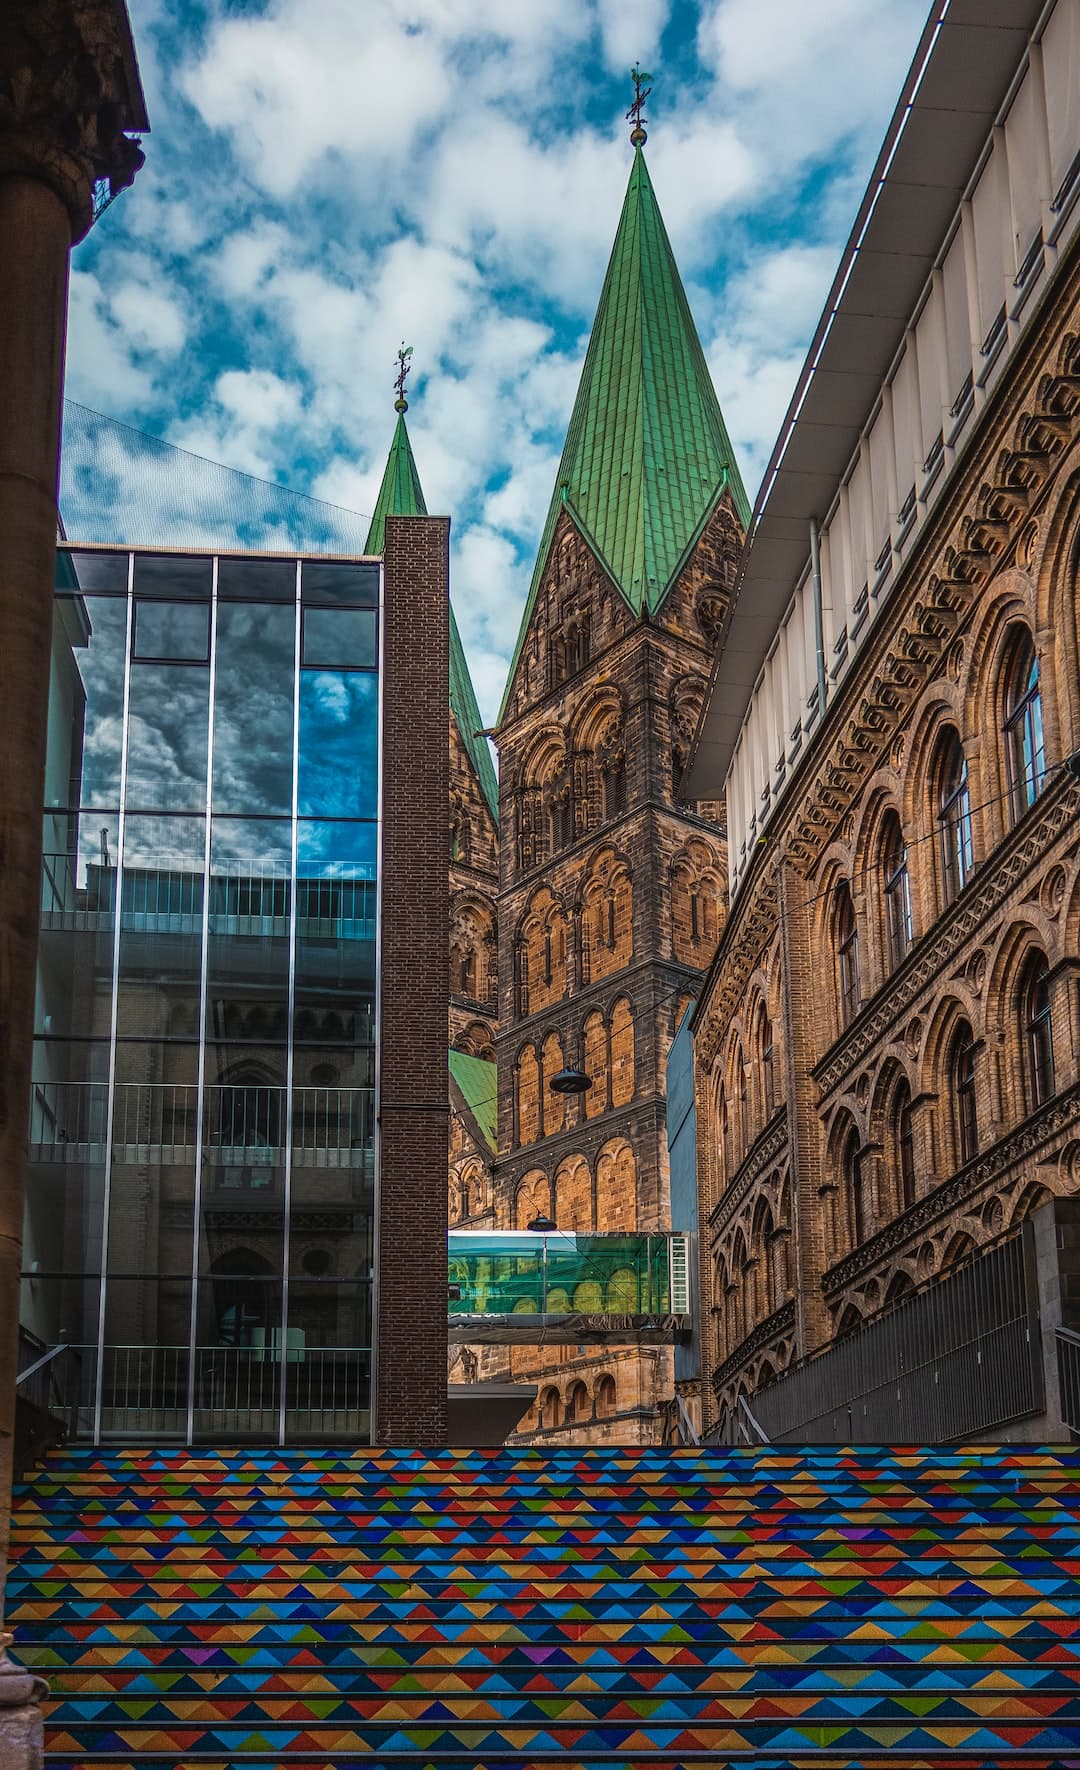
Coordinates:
[400,493]
[647,454]
[467,716]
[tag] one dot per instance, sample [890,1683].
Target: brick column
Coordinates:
[414,1102]
[802,986]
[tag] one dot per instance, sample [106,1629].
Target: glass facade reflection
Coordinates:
[200,1192]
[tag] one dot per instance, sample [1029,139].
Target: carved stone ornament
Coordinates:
[69,92]
[1026,547]
[955,662]
[976,971]
[1052,891]
[913,1036]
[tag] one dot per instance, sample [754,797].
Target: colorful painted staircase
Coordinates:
[511,1608]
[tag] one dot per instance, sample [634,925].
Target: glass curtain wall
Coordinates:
[200,1189]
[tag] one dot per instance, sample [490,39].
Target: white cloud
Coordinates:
[244,422]
[631,30]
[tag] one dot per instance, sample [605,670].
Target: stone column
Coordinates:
[68,89]
[802,987]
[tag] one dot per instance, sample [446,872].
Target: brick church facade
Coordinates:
[586,900]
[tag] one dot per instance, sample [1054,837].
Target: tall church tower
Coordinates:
[611,892]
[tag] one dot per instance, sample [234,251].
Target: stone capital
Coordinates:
[69,98]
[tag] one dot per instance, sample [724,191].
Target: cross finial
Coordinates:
[633,116]
[401,404]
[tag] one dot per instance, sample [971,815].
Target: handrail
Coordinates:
[46,1358]
[687,1422]
[1068,1334]
[763,1436]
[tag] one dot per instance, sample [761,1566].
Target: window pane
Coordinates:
[257,580]
[253,709]
[86,702]
[248,947]
[327,582]
[161,927]
[335,933]
[167,738]
[175,630]
[339,638]
[103,574]
[173,575]
[339,714]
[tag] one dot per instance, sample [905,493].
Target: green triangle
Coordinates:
[400,493]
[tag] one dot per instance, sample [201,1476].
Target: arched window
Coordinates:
[766,1056]
[894,868]
[847,954]
[904,1134]
[1037,1030]
[962,1083]
[577,1404]
[550,1408]
[605,1397]
[954,814]
[856,1185]
[1024,743]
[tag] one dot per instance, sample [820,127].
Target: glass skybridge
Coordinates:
[518,1287]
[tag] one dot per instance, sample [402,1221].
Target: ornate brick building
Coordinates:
[611,892]
[886,1072]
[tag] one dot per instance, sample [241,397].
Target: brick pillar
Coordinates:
[802,984]
[414,1090]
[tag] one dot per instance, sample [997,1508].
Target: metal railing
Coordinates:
[242,1122]
[1068,1356]
[955,1359]
[161,898]
[236,1389]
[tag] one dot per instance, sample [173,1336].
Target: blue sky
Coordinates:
[327,177]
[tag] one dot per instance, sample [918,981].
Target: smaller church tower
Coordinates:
[473,876]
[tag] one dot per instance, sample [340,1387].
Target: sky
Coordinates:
[326,179]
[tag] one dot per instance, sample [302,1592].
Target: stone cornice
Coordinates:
[69,89]
[781,1321]
[1057,1115]
[763,1152]
[966,917]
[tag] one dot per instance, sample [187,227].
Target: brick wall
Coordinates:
[411,1371]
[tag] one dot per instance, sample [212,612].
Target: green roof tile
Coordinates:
[400,493]
[647,453]
[477,1079]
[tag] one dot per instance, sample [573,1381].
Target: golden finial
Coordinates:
[634,117]
[401,404]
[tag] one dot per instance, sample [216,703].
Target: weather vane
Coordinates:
[401,404]
[633,116]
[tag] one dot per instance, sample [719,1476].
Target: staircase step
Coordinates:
[616,1607]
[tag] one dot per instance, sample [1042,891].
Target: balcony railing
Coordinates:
[243,1123]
